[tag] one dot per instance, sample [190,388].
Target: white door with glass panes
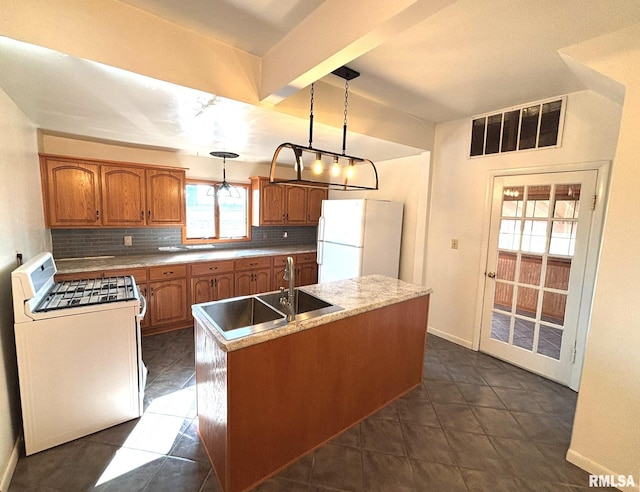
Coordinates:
[538,242]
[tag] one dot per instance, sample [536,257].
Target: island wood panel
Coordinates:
[291,394]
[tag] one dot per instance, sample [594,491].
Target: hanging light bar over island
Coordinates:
[332,170]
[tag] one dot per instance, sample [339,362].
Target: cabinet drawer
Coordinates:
[140,274]
[253,263]
[306,258]
[168,272]
[208,268]
[280,261]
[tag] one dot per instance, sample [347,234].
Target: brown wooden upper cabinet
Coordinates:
[275,204]
[86,193]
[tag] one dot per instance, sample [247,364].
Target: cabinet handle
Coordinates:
[149,213]
[211,282]
[97,214]
[167,273]
[284,217]
[142,214]
[151,291]
[252,264]
[213,268]
[215,282]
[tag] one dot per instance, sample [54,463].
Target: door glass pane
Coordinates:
[538,201]
[557,276]
[530,270]
[534,236]
[500,327]
[477,136]
[503,297]
[506,266]
[553,307]
[512,201]
[567,201]
[549,123]
[509,237]
[527,302]
[550,342]
[510,130]
[523,331]
[494,124]
[563,238]
[529,127]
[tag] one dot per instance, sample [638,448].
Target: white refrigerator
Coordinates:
[359,237]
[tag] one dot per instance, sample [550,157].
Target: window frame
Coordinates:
[217,240]
[520,108]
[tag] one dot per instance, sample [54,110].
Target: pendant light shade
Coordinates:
[225,190]
[340,171]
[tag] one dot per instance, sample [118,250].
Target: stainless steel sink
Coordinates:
[307,305]
[243,316]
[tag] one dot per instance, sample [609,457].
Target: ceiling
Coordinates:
[433,61]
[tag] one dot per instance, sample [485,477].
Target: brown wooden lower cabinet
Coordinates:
[262,407]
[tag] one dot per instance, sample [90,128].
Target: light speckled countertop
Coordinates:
[355,296]
[75,265]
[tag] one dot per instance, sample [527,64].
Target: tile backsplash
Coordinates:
[81,243]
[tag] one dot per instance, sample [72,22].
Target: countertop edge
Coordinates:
[78,265]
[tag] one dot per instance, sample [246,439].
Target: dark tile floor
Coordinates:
[474,424]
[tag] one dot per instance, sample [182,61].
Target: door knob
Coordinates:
[491,274]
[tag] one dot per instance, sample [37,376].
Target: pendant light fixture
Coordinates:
[225,189]
[340,167]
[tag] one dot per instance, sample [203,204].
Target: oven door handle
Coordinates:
[143,309]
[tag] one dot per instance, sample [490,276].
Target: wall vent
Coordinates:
[531,126]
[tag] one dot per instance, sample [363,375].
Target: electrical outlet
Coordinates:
[128,241]
[285,235]
[454,244]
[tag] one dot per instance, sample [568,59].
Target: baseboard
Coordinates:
[449,337]
[7,473]
[594,468]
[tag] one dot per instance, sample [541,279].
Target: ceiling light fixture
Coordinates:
[225,189]
[367,172]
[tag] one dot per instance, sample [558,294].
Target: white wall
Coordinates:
[22,229]
[404,180]
[458,196]
[606,432]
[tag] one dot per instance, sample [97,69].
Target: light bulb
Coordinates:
[335,168]
[349,172]
[317,165]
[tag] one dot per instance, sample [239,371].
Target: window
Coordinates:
[529,127]
[212,218]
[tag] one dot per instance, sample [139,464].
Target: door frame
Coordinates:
[592,258]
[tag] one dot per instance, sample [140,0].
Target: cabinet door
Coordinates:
[168,301]
[123,196]
[272,204]
[165,197]
[314,204]
[296,200]
[224,286]
[278,281]
[262,281]
[243,283]
[72,194]
[307,274]
[202,289]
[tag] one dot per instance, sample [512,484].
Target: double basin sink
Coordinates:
[239,317]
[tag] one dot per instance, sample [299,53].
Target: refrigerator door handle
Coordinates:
[321,229]
[319,252]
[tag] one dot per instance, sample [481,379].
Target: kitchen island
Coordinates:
[267,399]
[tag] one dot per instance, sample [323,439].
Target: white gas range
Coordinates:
[79,353]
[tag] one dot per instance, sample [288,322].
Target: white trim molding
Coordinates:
[7,474]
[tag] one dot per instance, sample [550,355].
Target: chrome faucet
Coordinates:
[289,302]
